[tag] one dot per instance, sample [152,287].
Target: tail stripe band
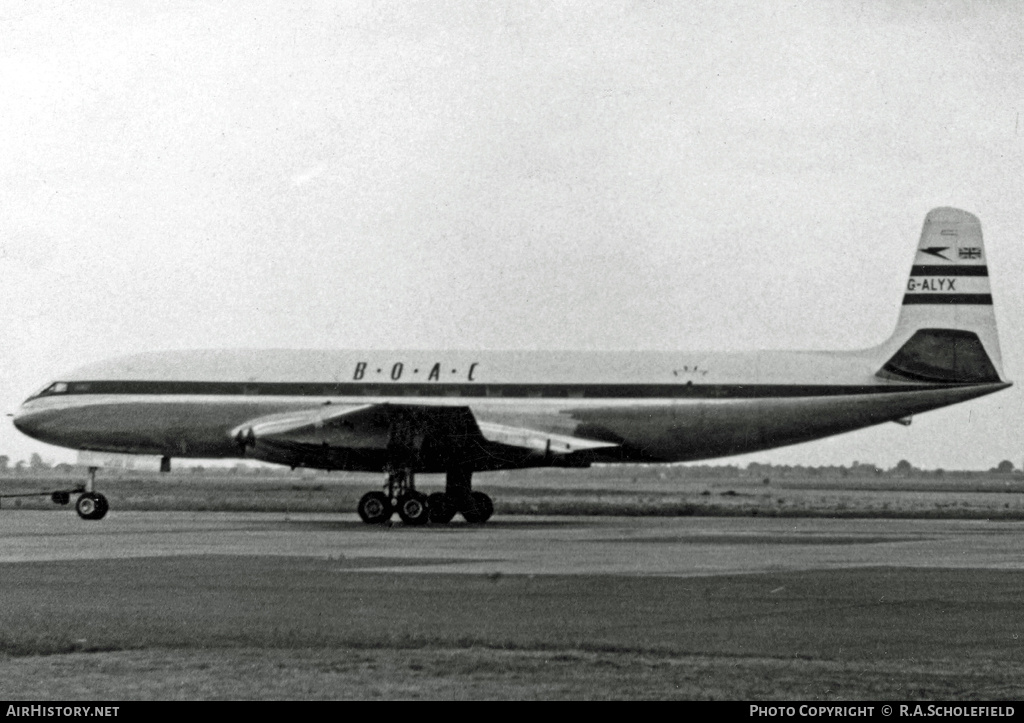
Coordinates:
[949,271]
[984,299]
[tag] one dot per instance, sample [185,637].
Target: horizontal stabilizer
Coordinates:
[943,356]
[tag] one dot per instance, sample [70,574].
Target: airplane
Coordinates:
[456,412]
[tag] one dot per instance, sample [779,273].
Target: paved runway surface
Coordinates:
[195,605]
[679,546]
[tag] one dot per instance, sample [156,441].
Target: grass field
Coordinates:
[184,627]
[597,491]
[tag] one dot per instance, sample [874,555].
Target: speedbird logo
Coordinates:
[937,251]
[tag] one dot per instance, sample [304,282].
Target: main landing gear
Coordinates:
[91,505]
[400,496]
[458,496]
[415,508]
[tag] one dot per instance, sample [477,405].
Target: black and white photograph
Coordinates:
[464,350]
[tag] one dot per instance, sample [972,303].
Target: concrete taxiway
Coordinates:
[644,546]
[256,605]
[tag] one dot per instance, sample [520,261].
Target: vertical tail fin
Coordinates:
[947,328]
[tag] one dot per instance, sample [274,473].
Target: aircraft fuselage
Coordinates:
[647,406]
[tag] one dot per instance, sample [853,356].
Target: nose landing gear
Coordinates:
[91,505]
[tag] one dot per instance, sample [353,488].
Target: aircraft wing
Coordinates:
[332,425]
[339,436]
[538,440]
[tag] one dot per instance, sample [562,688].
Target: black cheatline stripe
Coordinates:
[481,390]
[949,270]
[948,299]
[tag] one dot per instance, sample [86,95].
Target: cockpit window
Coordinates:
[55,388]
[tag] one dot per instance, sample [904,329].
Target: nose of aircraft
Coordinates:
[27,422]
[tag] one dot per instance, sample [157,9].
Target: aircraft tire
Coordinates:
[91,506]
[374,508]
[479,509]
[413,509]
[440,508]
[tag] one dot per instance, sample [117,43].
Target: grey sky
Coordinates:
[521,175]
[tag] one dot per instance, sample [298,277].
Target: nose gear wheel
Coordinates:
[91,506]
